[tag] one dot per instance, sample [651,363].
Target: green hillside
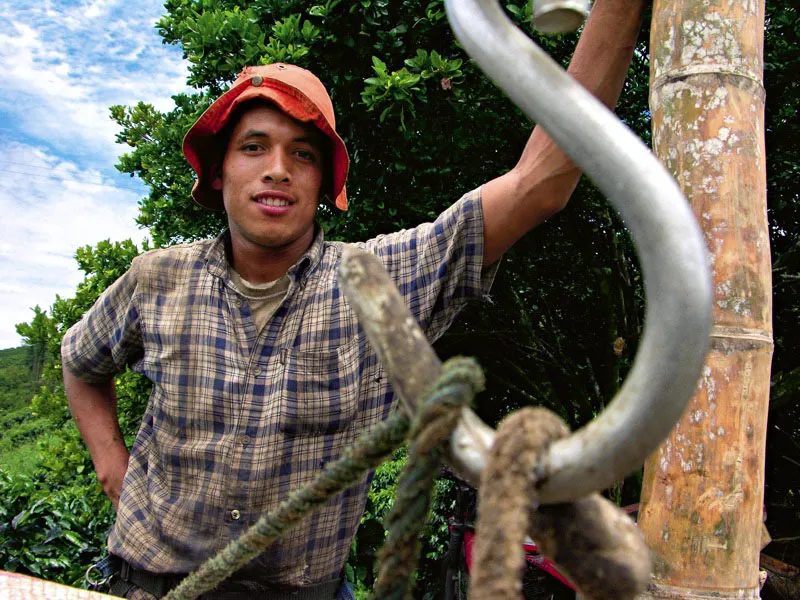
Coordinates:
[20,429]
[17,381]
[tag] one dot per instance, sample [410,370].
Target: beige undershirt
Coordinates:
[262,298]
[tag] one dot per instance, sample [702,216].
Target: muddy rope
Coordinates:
[592,540]
[595,542]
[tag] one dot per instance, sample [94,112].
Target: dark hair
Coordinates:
[223,138]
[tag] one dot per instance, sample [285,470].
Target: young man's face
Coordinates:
[270,180]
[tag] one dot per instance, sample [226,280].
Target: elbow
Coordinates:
[546,196]
[553,207]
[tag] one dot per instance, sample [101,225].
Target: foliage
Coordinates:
[17,380]
[371,534]
[782,494]
[423,126]
[19,432]
[54,534]
[361,567]
[55,519]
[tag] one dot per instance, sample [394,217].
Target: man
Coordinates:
[260,372]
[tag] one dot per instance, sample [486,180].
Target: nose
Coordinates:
[276,167]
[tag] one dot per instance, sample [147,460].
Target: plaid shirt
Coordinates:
[237,419]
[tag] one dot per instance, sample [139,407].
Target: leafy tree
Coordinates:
[36,336]
[782,494]
[17,384]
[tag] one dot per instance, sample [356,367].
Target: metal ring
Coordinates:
[100,582]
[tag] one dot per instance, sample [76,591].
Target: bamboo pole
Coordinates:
[703,489]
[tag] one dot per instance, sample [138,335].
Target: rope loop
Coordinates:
[595,543]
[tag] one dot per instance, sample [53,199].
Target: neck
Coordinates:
[261,264]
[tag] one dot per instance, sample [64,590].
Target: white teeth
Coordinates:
[273,202]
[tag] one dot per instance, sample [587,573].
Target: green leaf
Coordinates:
[378,64]
[74,538]
[20,519]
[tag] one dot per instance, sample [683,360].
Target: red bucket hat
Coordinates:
[297,92]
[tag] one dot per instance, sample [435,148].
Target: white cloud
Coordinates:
[62,64]
[58,212]
[98,8]
[62,69]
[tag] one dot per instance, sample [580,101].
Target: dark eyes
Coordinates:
[306,155]
[301,153]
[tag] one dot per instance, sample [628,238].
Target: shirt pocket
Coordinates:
[319,393]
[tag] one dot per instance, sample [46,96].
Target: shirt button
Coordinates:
[235,514]
[237,302]
[245,439]
[257,371]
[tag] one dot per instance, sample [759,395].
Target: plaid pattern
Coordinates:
[237,420]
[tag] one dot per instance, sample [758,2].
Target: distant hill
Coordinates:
[17,384]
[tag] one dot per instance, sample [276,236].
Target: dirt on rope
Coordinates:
[592,540]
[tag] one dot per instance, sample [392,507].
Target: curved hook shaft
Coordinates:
[668,240]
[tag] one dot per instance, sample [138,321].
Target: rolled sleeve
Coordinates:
[438,266]
[108,337]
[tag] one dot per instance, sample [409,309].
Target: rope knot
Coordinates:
[594,541]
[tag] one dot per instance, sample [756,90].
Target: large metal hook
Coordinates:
[670,248]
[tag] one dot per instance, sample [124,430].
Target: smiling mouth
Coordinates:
[273,202]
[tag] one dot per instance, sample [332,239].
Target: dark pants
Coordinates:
[130,583]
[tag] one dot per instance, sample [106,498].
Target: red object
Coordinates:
[297,92]
[532,556]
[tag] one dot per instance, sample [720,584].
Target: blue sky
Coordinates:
[62,64]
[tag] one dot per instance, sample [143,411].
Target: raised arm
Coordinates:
[541,183]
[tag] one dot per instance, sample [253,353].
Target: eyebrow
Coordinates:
[257,133]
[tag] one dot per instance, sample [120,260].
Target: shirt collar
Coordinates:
[217,262]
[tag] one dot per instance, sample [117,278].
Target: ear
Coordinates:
[216,182]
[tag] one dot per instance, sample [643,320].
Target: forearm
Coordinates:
[544,178]
[94,408]
[600,63]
